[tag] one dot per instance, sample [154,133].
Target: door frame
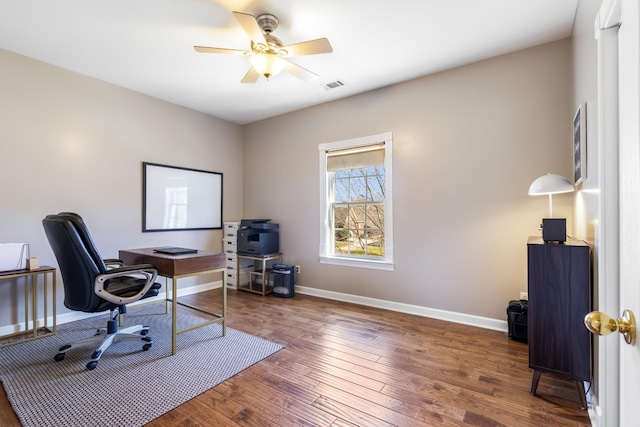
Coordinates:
[607,261]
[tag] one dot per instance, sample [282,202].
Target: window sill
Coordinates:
[358,263]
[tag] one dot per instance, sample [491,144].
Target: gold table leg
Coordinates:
[34,283]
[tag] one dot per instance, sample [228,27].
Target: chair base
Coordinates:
[107,336]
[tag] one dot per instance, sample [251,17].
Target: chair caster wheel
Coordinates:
[146,347]
[58,357]
[92,365]
[144,332]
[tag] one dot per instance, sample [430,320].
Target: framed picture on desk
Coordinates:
[177,198]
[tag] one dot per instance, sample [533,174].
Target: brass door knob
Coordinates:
[601,324]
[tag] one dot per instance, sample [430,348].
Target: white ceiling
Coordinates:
[147,45]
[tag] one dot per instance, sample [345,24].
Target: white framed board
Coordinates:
[177,198]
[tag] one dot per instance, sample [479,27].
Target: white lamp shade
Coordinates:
[550,184]
[267,64]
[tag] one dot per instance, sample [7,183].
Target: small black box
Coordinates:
[517,319]
[554,229]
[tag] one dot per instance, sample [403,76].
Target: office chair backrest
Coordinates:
[78,260]
[83,231]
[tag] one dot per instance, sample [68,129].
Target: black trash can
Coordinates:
[283,280]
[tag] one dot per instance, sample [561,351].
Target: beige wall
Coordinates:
[585,90]
[467,144]
[72,143]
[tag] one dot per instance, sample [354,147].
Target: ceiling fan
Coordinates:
[267,55]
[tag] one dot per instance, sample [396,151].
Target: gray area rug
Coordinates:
[130,387]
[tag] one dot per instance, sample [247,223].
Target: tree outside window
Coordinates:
[358,211]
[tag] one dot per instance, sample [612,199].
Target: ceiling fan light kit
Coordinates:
[266,64]
[267,56]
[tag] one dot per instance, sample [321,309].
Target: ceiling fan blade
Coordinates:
[250,25]
[251,76]
[300,72]
[311,47]
[206,49]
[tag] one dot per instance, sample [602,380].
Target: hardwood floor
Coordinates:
[350,365]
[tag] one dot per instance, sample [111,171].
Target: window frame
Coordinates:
[326,255]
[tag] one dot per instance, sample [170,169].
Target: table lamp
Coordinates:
[549,184]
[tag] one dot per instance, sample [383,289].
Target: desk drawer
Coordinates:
[177,265]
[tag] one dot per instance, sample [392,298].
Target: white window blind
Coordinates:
[353,158]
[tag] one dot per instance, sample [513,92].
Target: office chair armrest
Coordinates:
[112,263]
[147,270]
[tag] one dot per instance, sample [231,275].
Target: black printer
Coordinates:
[258,237]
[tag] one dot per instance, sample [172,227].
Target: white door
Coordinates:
[618,394]
[629,134]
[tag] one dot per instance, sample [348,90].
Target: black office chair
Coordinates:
[93,284]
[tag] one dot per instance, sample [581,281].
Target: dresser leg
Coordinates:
[583,395]
[534,381]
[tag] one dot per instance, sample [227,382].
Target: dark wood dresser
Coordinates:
[559,276]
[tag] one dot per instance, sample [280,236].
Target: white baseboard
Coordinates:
[451,316]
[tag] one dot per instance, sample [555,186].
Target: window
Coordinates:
[356,202]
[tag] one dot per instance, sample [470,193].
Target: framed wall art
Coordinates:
[580,145]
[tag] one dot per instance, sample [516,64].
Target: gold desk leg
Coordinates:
[166,292]
[174,315]
[224,302]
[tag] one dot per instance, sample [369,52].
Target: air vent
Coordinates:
[333,85]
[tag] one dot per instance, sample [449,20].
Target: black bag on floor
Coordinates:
[517,319]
